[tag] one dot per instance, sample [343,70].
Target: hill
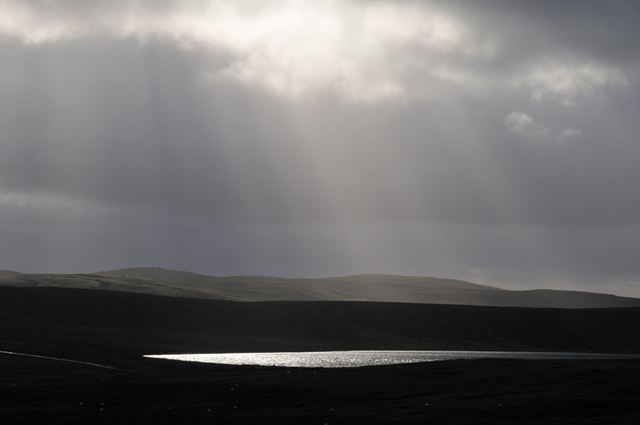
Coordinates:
[373,288]
[364,288]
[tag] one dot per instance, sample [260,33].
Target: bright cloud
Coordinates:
[524,125]
[570,84]
[363,51]
[521,123]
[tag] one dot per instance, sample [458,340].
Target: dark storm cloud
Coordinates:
[489,140]
[608,31]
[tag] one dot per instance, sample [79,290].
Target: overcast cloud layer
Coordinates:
[495,141]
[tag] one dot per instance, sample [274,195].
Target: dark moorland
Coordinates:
[116,328]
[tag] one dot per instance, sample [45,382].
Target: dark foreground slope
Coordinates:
[123,325]
[115,329]
[35,391]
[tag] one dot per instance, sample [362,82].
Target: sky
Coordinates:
[494,141]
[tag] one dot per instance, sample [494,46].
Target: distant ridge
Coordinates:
[106,282]
[369,288]
[375,288]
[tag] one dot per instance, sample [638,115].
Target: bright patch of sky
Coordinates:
[362,51]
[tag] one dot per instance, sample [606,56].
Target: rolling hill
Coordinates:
[373,288]
[369,288]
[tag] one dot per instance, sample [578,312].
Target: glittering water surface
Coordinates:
[370,358]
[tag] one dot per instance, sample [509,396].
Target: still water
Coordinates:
[370,358]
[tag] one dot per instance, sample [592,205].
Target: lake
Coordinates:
[332,359]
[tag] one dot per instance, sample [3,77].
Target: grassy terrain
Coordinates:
[116,328]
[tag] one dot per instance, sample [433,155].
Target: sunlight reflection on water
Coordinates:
[332,359]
